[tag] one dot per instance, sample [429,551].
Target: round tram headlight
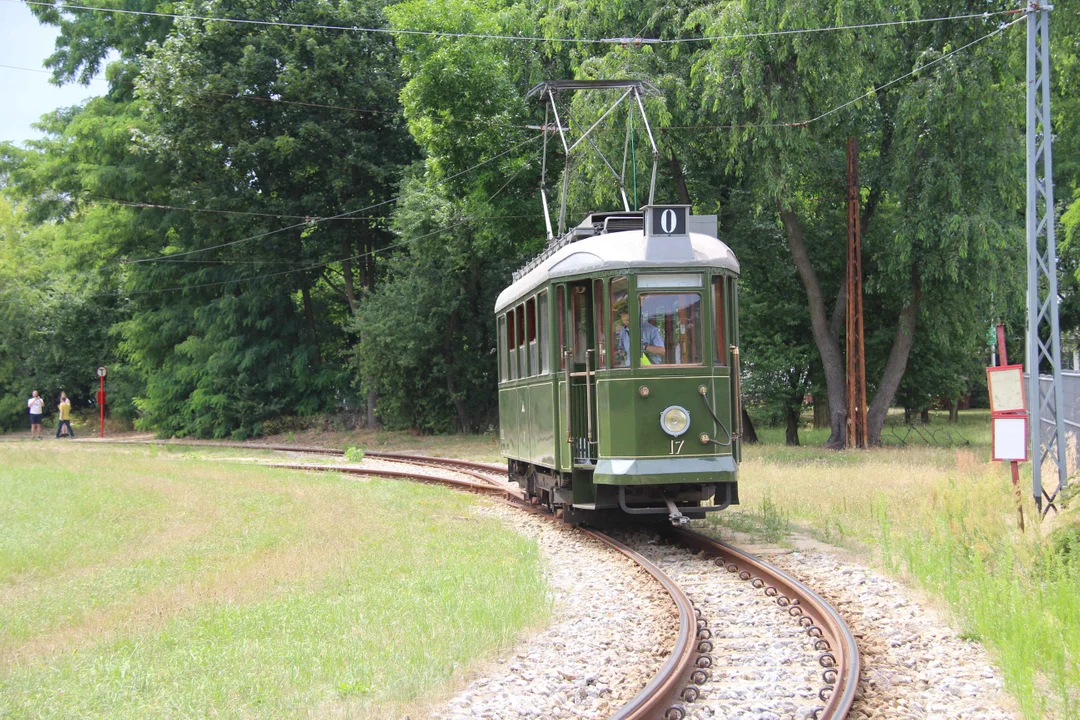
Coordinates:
[675,420]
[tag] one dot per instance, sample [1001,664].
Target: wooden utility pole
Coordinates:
[858,430]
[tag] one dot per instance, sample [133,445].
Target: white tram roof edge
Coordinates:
[626,250]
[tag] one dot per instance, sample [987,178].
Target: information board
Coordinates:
[1006,386]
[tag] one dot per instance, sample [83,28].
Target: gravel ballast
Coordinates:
[612,628]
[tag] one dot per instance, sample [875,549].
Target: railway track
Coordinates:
[683,678]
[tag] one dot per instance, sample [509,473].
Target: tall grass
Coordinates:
[139,584]
[945,518]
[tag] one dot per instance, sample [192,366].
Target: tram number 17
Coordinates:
[676,446]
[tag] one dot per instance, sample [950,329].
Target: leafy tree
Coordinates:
[936,151]
[54,331]
[468,217]
[257,333]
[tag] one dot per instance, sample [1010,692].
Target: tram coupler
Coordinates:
[677,518]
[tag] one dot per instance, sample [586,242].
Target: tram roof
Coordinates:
[615,251]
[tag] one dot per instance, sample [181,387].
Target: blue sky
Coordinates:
[26,95]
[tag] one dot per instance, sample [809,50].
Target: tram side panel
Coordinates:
[540,412]
[508,422]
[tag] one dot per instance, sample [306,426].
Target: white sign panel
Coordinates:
[1010,438]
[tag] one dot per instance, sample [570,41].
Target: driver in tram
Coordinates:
[652,342]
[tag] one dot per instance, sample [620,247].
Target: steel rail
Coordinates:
[309,449]
[482,488]
[833,638]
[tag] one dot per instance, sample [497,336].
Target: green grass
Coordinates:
[943,518]
[140,583]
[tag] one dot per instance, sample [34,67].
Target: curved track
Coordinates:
[687,664]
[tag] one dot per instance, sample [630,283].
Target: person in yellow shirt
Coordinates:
[65,416]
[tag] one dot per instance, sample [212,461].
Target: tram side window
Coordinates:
[718,318]
[502,348]
[671,329]
[580,308]
[534,350]
[620,328]
[523,362]
[511,345]
[601,323]
[543,332]
[560,312]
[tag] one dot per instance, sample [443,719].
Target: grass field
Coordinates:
[142,583]
[150,587]
[945,519]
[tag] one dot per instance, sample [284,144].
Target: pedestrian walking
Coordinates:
[36,405]
[64,408]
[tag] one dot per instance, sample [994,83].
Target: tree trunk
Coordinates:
[897,363]
[749,435]
[346,271]
[372,419]
[309,313]
[954,411]
[680,179]
[821,410]
[925,416]
[448,355]
[827,343]
[791,436]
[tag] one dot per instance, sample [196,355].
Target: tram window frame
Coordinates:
[719,309]
[502,348]
[618,292]
[542,332]
[579,317]
[600,320]
[694,328]
[511,344]
[530,335]
[560,311]
[523,360]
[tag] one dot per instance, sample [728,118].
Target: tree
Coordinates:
[936,151]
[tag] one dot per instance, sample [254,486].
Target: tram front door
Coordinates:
[581,374]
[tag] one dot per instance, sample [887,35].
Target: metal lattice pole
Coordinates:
[1046,424]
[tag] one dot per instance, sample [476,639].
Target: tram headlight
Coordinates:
[675,420]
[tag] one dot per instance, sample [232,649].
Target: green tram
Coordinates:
[604,414]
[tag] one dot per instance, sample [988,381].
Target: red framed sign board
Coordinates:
[1008,413]
[1009,438]
[1005,384]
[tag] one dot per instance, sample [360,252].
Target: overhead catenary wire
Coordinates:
[307,222]
[517,38]
[318,220]
[349,215]
[838,108]
[159,206]
[319,265]
[802,123]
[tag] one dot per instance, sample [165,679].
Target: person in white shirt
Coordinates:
[36,406]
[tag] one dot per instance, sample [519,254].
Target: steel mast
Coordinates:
[1046,424]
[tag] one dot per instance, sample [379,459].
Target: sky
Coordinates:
[27,94]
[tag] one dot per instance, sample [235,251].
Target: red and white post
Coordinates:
[101,371]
